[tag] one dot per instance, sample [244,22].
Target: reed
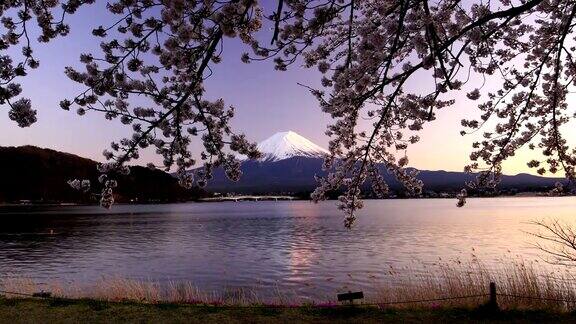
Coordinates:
[520,285]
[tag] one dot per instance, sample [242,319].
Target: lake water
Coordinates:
[297,246]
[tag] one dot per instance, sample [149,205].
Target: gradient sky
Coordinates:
[266,102]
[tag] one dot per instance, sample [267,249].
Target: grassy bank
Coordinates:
[520,286]
[92,311]
[526,294]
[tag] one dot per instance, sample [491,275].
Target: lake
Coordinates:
[296,246]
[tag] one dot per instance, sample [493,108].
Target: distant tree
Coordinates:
[368,51]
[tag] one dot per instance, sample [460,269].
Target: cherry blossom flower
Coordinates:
[367,52]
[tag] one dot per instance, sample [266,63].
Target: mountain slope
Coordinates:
[259,177]
[285,145]
[296,174]
[291,161]
[36,174]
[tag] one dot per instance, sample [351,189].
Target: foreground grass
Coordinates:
[92,311]
[520,286]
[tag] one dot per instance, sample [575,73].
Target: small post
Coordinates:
[350,296]
[493,302]
[42,294]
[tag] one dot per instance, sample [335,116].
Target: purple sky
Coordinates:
[266,102]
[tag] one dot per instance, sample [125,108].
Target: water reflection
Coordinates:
[306,242]
[298,246]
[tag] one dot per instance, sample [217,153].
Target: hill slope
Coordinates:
[36,174]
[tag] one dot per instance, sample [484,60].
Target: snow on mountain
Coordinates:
[285,145]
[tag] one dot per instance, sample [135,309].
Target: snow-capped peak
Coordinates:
[285,145]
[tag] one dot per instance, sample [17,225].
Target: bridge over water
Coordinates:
[248,198]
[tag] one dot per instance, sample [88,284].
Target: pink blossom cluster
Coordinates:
[370,53]
[163,51]
[16,18]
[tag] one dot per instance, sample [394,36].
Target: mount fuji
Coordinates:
[285,145]
[289,163]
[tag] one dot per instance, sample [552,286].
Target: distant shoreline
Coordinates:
[257,198]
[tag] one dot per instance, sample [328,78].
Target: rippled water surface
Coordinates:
[298,245]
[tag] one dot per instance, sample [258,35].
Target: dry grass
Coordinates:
[120,289]
[539,290]
[520,285]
